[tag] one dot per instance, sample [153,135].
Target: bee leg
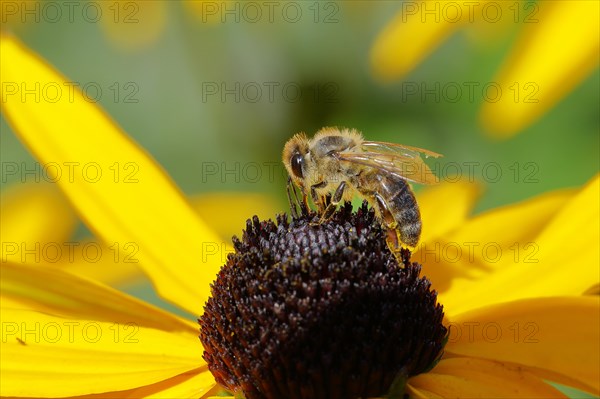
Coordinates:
[390,225]
[293,202]
[333,202]
[303,203]
[316,198]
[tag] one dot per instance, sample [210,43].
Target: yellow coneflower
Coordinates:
[69,336]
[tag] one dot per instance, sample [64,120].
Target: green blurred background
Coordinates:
[189,93]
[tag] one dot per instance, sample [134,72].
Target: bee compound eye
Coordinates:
[297,161]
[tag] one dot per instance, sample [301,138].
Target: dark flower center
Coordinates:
[306,310]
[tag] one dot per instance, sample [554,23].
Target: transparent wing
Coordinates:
[405,150]
[398,160]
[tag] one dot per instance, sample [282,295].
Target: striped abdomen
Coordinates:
[402,206]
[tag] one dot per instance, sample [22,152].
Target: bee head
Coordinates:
[294,157]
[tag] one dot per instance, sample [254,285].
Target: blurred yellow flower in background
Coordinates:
[133,24]
[129,24]
[557,48]
[130,348]
[34,213]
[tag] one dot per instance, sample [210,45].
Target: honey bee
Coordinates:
[336,164]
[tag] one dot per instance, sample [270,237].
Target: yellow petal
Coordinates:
[495,23]
[115,265]
[462,260]
[515,222]
[228,212]
[593,290]
[445,207]
[560,334]
[552,56]
[562,259]
[439,219]
[196,384]
[418,393]
[132,24]
[48,356]
[34,218]
[478,378]
[56,292]
[418,28]
[120,192]
[193,384]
